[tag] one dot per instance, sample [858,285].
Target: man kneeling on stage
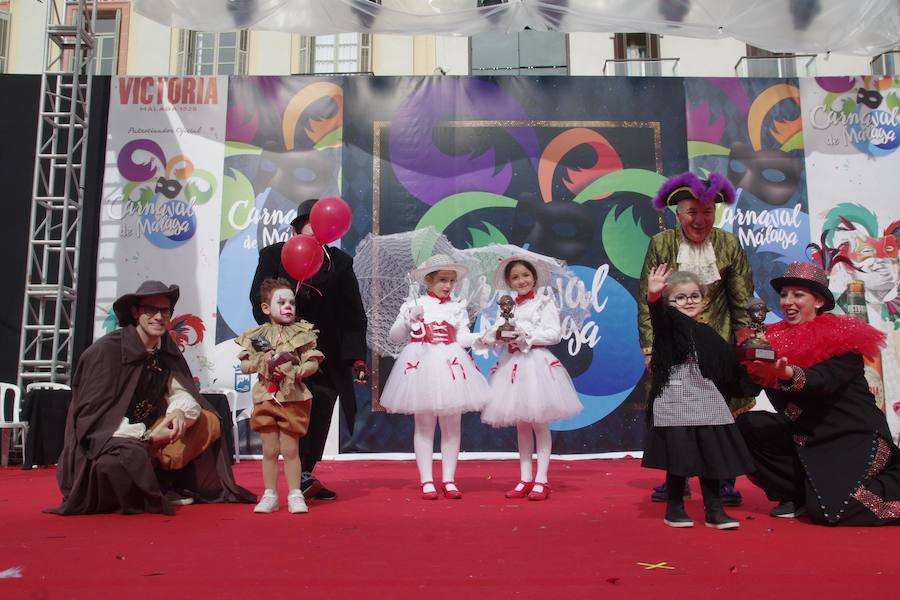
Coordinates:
[139,436]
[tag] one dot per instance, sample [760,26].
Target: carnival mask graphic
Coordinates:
[877,260]
[561,229]
[870,98]
[770,175]
[167,187]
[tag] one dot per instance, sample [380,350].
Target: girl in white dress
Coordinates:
[434,378]
[530,386]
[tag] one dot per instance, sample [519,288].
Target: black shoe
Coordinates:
[325,494]
[177,499]
[661,494]
[677,517]
[730,496]
[310,486]
[787,510]
[721,520]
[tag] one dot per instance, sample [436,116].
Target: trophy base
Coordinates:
[763,354]
[506,334]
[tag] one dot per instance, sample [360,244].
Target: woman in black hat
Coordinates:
[828,451]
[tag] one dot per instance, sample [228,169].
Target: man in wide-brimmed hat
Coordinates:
[715,256]
[330,301]
[139,437]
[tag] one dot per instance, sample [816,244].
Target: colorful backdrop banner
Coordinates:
[560,166]
[750,130]
[852,132]
[283,146]
[204,172]
[162,191]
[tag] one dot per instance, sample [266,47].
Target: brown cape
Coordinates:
[98,473]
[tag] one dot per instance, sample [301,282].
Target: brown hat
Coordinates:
[303,212]
[809,276]
[122,306]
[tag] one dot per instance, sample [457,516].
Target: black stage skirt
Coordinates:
[714,451]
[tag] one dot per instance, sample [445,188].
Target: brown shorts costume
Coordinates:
[291,418]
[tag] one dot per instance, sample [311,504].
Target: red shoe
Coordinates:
[541,494]
[521,490]
[451,494]
[432,495]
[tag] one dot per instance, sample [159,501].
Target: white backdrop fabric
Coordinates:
[863,27]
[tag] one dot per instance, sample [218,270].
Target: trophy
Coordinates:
[507,330]
[755,346]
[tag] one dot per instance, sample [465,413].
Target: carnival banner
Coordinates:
[204,172]
[561,166]
[161,202]
[852,133]
[751,131]
[283,146]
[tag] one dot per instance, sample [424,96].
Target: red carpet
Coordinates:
[380,540]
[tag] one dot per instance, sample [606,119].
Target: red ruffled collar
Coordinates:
[824,337]
[438,298]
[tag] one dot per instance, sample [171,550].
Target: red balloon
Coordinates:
[330,218]
[302,257]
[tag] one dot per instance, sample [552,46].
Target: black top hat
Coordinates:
[809,276]
[122,306]
[303,212]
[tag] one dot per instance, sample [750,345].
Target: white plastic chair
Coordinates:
[232,404]
[46,385]
[15,425]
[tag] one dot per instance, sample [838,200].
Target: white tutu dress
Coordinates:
[434,374]
[530,384]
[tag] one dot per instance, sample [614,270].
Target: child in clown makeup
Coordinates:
[281,401]
[434,378]
[530,387]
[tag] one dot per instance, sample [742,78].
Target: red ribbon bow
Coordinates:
[438,298]
[523,297]
[455,363]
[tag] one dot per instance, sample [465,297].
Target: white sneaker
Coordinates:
[268,503]
[296,503]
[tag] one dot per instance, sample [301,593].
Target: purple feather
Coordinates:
[703,190]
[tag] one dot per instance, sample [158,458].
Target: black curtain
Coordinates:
[90,224]
[19,101]
[19,96]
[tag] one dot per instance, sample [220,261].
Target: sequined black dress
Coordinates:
[829,447]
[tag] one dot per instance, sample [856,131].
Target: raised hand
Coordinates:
[656,281]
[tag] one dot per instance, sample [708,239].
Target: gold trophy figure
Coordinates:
[507,330]
[754,346]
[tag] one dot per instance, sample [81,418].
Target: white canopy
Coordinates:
[864,27]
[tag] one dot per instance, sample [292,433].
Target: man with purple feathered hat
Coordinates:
[715,256]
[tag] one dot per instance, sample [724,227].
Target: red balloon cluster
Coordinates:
[302,255]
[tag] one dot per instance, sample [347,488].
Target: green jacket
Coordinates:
[726,300]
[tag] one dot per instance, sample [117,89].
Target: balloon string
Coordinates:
[328,256]
[301,284]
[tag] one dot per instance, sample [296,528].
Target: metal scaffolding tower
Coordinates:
[48,315]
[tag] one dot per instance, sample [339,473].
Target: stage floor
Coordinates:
[598,534]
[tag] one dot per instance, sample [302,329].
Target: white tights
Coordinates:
[529,433]
[423,443]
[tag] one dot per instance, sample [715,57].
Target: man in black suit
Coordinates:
[330,301]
